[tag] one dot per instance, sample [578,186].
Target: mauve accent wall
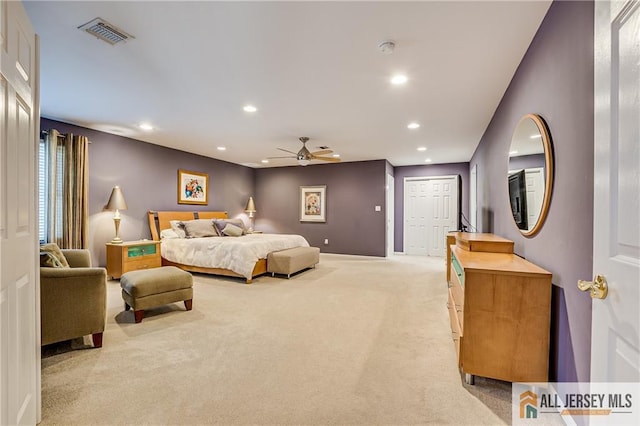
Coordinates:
[555,80]
[148,174]
[402,172]
[353,190]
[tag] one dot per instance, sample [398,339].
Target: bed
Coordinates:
[244,256]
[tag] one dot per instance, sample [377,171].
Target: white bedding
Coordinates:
[238,254]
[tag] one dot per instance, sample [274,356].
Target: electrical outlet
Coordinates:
[378,208]
[326,241]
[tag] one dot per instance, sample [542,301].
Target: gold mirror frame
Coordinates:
[545,138]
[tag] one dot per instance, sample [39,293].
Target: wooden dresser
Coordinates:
[499,308]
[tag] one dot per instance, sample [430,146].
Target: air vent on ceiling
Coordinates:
[105,31]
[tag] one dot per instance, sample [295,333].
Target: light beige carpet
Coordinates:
[358,340]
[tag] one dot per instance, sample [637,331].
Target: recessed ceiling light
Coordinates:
[265,161]
[336,155]
[222,148]
[398,79]
[413,125]
[428,160]
[249,108]
[513,152]
[145,126]
[422,148]
[536,136]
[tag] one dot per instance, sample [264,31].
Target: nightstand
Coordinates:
[131,256]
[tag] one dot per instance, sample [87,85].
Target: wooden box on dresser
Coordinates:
[499,307]
[132,256]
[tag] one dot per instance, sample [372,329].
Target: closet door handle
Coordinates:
[598,288]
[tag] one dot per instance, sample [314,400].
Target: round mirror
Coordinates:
[530,174]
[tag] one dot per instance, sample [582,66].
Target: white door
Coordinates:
[390,214]
[473,199]
[430,211]
[19,308]
[415,216]
[443,204]
[615,346]
[534,179]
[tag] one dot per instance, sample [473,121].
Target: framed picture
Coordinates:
[193,187]
[313,203]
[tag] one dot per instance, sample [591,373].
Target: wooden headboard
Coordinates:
[160,220]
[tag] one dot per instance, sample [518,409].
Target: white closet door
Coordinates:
[19,308]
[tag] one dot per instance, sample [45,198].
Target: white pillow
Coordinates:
[168,233]
[232,230]
[178,228]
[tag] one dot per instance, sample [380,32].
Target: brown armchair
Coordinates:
[73,301]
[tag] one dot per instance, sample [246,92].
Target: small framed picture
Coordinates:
[313,203]
[193,187]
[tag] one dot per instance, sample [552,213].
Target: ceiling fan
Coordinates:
[304,156]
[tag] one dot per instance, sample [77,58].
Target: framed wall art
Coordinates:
[313,203]
[193,187]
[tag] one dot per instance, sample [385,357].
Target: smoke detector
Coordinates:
[105,31]
[387,47]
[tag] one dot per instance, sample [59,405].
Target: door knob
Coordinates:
[597,288]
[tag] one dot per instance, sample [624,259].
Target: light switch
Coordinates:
[378,208]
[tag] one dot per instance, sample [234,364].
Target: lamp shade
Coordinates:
[251,206]
[116,200]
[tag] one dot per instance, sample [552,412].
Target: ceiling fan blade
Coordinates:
[273,158]
[332,159]
[323,152]
[286,150]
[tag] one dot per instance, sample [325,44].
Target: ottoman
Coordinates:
[148,288]
[292,260]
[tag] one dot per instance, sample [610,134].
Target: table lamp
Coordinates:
[251,209]
[117,203]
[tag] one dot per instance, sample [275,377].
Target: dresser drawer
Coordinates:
[138,251]
[457,292]
[144,262]
[454,319]
[456,270]
[455,315]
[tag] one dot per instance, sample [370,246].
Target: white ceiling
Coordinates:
[311,68]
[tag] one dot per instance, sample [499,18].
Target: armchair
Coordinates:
[73,301]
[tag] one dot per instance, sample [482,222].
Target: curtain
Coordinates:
[67,189]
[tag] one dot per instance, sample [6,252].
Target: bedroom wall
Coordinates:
[353,190]
[555,80]
[147,174]
[428,170]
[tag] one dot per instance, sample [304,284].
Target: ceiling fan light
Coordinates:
[303,162]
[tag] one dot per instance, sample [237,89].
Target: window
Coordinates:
[43,178]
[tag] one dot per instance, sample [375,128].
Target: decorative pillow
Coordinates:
[220,224]
[49,261]
[178,228]
[232,230]
[169,233]
[56,253]
[200,228]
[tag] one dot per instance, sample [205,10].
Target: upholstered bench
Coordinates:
[292,260]
[148,288]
